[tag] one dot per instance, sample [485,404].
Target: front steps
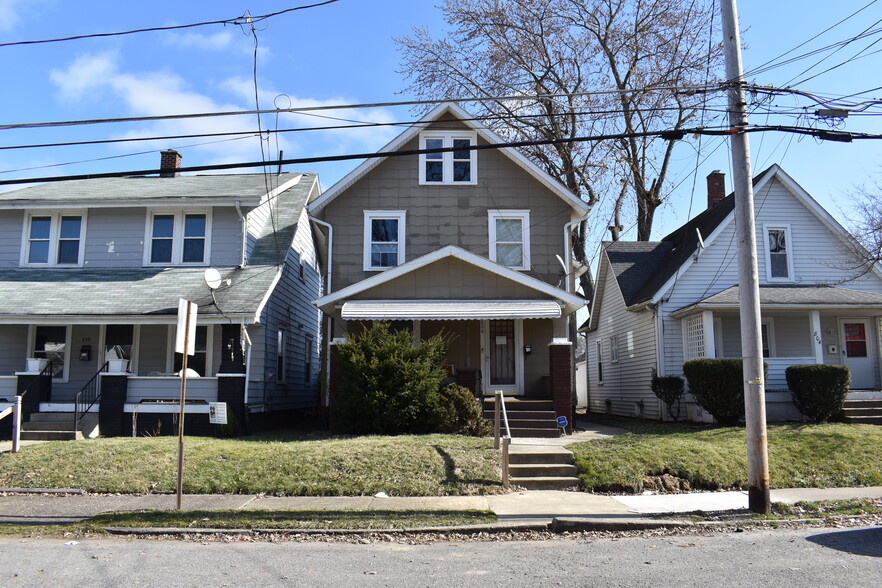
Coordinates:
[863,411]
[527,418]
[58,426]
[542,467]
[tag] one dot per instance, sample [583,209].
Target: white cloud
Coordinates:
[215,42]
[10,13]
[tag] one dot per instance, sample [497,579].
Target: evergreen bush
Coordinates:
[819,390]
[669,389]
[718,387]
[460,412]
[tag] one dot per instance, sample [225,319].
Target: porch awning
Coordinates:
[428,310]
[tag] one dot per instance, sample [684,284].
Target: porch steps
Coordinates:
[58,426]
[863,411]
[527,418]
[537,467]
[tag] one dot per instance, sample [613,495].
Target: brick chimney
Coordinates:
[170,163]
[716,188]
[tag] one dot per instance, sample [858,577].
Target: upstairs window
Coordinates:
[177,238]
[383,239]
[510,238]
[779,258]
[450,167]
[53,239]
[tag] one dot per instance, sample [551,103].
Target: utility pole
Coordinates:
[759,497]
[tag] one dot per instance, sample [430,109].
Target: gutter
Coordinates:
[330,250]
[244,231]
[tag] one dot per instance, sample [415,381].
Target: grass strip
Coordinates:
[305,465]
[800,456]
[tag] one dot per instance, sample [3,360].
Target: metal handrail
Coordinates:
[15,410]
[499,407]
[38,381]
[90,393]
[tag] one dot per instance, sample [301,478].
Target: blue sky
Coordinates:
[344,53]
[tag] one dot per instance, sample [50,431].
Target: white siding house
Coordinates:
[663,303]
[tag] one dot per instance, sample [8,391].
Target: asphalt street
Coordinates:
[782,557]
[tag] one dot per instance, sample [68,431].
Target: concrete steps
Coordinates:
[863,411]
[58,426]
[542,467]
[527,418]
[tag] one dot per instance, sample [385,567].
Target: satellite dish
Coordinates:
[213,278]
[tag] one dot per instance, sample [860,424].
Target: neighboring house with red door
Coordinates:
[661,303]
[91,272]
[467,241]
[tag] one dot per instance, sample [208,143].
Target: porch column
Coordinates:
[111,405]
[561,363]
[817,342]
[707,325]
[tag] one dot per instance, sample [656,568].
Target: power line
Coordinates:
[670,135]
[239,20]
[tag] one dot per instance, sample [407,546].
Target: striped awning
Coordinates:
[428,310]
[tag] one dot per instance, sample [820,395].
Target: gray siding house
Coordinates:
[468,241]
[659,304]
[91,272]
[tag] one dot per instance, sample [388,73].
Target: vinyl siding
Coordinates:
[446,215]
[115,237]
[11,227]
[153,349]
[626,382]
[13,348]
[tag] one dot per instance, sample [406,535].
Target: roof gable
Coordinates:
[437,113]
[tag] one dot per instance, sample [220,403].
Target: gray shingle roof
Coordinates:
[247,188]
[278,233]
[788,296]
[643,267]
[130,293]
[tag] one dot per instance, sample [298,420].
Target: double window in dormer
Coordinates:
[177,238]
[457,166]
[53,239]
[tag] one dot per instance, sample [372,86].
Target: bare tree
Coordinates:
[865,251]
[584,68]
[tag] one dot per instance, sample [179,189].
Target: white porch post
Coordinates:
[707,325]
[818,343]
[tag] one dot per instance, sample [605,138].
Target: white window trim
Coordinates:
[102,347]
[32,336]
[177,236]
[524,217]
[788,238]
[209,350]
[369,215]
[769,324]
[447,157]
[54,234]
[614,349]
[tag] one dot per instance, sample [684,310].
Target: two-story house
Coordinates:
[446,232]
[661,303]
[92,271]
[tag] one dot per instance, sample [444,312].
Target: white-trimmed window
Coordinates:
[778,252]
[281,353]
[383,239]
[178,238]
[510,238]
[600,362]
[200,361]
[54,239]
[614,349]
[767,335]
[52,343]
[457,166]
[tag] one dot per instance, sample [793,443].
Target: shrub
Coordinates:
[460,412]
[386,383]
[819,390]
[718,387]
[669,389]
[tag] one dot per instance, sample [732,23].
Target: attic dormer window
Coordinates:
[178,238]
[779,260]
[457,166]
[54,239]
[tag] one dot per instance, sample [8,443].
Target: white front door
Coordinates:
[857,351]
[503,368]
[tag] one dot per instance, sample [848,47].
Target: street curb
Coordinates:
[463,529]
[76,491]
[577,524]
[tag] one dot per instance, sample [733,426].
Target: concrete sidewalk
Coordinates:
[514,510]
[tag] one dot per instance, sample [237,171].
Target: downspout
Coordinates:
[567,255]
[247,359]
[244,231]
[328,334]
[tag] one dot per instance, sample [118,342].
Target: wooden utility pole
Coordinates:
[759,497]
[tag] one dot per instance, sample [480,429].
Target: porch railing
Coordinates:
[38,385]
[498,423]
[87,396]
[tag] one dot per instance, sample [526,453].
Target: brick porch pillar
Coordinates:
[560,352]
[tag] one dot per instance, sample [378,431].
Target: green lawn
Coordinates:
[821,456]
[424,465]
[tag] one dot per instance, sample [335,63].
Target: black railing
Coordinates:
[39,383]
[87,397]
